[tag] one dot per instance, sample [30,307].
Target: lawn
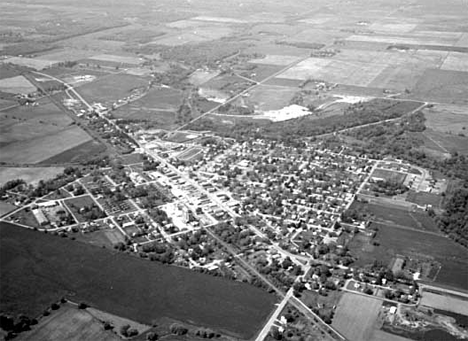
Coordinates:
[399,241]
[37,269]
[105,237]
[68,323]
[356,316]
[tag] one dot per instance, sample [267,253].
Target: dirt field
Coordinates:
[31,175]
[445,302]
[68,323]
[356,316]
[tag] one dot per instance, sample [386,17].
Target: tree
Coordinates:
[152,336]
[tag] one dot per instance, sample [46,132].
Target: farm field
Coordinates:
[16,85]
[445,86]
[397,216]
[31,175]
[88,272]
[393,240]
[77,154]
[39,149]
[33,134]
[356,316]
[111,88]
[445,302]
[68,323]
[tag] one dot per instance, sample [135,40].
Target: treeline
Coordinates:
[454,221]
[308,126]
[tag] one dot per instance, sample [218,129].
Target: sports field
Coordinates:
[356,316]
[37,269]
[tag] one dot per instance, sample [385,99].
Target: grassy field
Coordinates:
[111,88]
[356,316]
[398,241]
[448,142]
[37,269]
[31,175]
[68,323]
[423,198]
[447,119]
[266,98]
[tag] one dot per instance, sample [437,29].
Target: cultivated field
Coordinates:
[356,316]
[38,149]
[393,241]
[31,175]
[445,86]
[68,323]
[456,61]
[393,215]
[16,85]
[445,302]
[110,281]
[32,134]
